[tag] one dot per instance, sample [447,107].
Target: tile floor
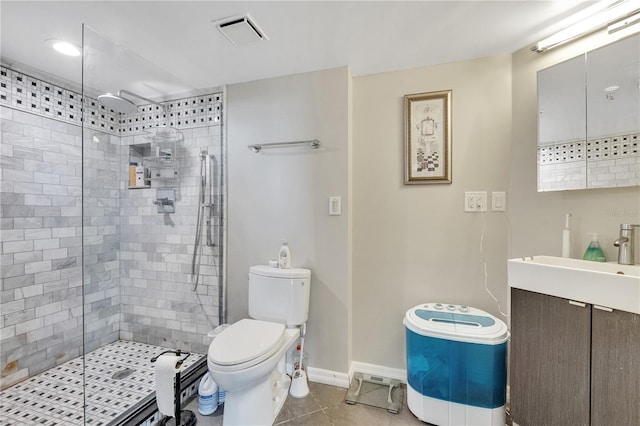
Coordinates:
[324,406]
[55,397]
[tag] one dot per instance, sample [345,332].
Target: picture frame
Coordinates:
[427,141]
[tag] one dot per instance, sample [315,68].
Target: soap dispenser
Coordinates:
[594,251]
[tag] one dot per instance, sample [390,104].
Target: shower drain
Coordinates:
[119,375]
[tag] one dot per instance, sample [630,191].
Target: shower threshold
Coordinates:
[56,397]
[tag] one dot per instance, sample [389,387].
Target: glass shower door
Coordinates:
[140,206]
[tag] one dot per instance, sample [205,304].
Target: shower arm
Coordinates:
[123,91]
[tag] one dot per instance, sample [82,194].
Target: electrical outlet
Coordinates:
[475,201]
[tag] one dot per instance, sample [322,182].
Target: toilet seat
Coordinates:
[246,343]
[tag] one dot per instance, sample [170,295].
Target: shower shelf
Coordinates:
[161,168]
[159,157]
[159,161]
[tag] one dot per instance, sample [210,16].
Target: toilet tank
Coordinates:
[279,295]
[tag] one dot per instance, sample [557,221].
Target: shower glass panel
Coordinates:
[41,306]
[141,190]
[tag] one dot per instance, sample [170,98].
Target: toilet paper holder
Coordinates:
[182,417]
[177,352]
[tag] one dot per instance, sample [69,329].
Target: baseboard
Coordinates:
[378,370]
[327,377]
[333,378]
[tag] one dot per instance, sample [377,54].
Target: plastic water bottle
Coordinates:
[207,395]
[221,395]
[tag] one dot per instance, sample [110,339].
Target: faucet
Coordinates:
[162,201]
[625,244]
[165,205]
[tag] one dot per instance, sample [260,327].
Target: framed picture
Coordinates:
[427,141]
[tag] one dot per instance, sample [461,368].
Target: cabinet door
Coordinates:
[550,360]
[615,368]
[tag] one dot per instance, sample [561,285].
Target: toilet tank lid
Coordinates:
[268,271]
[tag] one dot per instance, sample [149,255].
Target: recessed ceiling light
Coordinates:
[64,47]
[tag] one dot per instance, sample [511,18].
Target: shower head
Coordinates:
[119,103]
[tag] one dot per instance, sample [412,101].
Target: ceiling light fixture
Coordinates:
[597,16]
[625,22]
[64,47]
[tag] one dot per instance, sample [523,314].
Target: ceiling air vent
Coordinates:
[240,30]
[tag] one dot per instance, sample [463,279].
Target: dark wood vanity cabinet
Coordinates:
[549,364]
[572,363]
[615,368]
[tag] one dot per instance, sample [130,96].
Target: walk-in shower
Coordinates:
[95,280]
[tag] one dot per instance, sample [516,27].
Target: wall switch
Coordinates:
[498,201]
[335,206]
[475,201]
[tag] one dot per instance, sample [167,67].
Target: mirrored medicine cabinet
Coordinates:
[589,119]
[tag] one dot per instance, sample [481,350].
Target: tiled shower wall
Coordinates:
[140,292]
[101,238]
[158,306]
[41,321]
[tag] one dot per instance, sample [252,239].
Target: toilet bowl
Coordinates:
[243,360]
[247,359]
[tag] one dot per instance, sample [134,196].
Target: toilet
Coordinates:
[247,359]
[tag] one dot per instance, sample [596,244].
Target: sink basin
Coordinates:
[604,284]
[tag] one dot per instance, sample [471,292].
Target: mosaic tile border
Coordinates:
[604,148]
[27,93]
[55,397]
[618,146]
[184,113]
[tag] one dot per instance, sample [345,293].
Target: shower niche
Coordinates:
[153,161]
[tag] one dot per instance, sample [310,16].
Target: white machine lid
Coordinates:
[244,341]
[456,322]
[268,271]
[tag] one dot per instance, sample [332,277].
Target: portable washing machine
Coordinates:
[456,365]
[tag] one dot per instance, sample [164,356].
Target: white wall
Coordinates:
[283,194]
[536,219]
[413,243]
[401,245]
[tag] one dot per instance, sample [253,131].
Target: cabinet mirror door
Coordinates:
[613,114]
[562,126]
[589,119]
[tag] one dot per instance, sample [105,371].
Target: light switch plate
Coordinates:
[335,206]
[498,201]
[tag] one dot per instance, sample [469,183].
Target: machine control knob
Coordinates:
[451,307]
[438,306]
[464,308]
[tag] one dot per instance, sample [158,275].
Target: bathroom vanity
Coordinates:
[574,360]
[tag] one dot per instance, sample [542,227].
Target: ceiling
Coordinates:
[180,49]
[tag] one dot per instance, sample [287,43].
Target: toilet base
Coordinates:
[258,404]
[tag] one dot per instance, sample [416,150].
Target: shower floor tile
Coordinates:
[56,397]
